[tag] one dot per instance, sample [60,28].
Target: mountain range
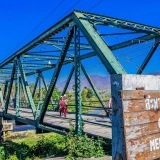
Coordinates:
[101,83]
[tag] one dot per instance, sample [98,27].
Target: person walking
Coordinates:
[110,108]
[65,104]
[61,106]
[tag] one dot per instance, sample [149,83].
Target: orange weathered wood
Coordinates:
[139,94]
[141,115]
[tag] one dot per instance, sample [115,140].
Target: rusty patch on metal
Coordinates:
[140,88]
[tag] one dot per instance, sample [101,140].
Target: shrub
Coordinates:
[81,146]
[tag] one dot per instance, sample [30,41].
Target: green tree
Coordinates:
[89,93]
[84,93]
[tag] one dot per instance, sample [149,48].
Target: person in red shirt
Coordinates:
[61,106]
[65,105]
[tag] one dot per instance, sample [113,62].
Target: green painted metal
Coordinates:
[49,57]
[148,57]
[1,98]
[5,107]
[5,90]
[86,22]
[43,127]
[36,65]
[68,81]
[93,87]
[56,73]
[131,42]
[40,87]
[100,47]
[91,54]
[59,26]
[24,91]
[17,95]
[118,23]
[46,88]
[20,119]
[35,86]
[60,43]
[27,89]
[77,68]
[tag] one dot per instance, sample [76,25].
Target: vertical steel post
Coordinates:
[24,91]
[5,90]
[77,65]
[1,98]
[40,87]
[20,93]
[35,86]
[27,89]
[17,94]
[5,107]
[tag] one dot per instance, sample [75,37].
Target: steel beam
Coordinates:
[93,86]
[27,89]
[46,88]
[60,43]
[17,96]
[36,65]
[115,22]
[24,91]
[148,57]
[5,90]
[108,34]
[99,46]
[48,57]
[131,42]
[114,47]
[1,98]
[68,81]
[59,26]
[40,87]
[77,68]
[35,86]
[5,107]
[56,74]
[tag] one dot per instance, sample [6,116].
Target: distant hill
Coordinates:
[155,73]
[101,83]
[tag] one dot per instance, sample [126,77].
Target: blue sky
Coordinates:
[18,18]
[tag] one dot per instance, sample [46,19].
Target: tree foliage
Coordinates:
[87,93]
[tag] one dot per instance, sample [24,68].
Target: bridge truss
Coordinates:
[72,40]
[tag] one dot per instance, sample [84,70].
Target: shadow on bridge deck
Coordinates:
[96,125]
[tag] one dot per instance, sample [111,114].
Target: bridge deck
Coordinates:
[53,119]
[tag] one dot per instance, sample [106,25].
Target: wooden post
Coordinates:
[136,117]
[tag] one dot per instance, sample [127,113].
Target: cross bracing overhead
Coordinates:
[77,37]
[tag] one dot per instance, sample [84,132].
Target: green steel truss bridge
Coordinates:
[68,44]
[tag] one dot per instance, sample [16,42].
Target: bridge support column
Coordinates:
[39,131]
[77,65]
[1,126]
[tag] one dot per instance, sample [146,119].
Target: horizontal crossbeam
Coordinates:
[60,43]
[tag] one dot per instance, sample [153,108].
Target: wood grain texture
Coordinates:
[141,127]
